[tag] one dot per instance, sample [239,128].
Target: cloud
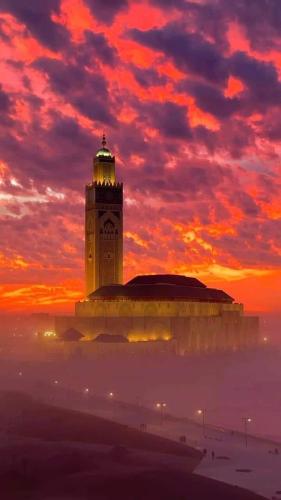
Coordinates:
[105,11]
[85,90]
[270,125]
[260,77]
[36,16]
[189,51]
[54,157]
[170,119]
[233,140]
[5,102]
[95,45]
[148,77]
[211,99]
[261,19]
[169,3]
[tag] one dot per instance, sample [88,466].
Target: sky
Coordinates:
[188,94]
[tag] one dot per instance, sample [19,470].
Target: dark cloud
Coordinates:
[131,141]
[260,77]
[34,101]
[260,19]
[106,10]
[95,46]
[188,180]
[170,119]
[57,156]
[254,249]
[211,99]
[36,15]
[209,20]
[26,83]
[189,51]
[209,17]
[63,77]
[262,88]
[15,64]
[234,138]
[258,241]
[3,35]
[169,3]
[270,125]
[43,252]
[85,90]
[5,101]
[6,111]
[207,137]
[148,77]
[246,203]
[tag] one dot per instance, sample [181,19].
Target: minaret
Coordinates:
[103,224]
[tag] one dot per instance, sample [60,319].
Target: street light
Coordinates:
[86,395]
[202,412]
[111,395]
[161,405]
[246,420]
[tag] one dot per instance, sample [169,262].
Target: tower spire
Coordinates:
[103,223]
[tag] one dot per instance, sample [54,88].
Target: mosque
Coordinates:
[163,309]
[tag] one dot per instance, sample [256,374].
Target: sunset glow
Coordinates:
[192,114]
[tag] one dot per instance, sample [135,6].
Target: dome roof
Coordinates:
[71,334]
[165,279]
[103,151]
[162,287]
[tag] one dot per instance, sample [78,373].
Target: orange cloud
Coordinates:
[76,17]
[40,297]
[234,87]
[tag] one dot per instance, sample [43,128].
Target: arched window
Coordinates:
[108,230]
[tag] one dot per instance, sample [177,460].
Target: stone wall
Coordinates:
[229,331]
[167,308]
[226,332]
[56,350]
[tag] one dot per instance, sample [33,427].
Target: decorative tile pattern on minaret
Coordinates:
[103,224]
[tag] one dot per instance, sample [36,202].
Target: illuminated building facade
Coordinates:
[103,223]
[174,310]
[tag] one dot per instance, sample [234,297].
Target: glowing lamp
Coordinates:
[49,333]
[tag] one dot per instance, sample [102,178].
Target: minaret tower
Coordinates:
[103,224]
